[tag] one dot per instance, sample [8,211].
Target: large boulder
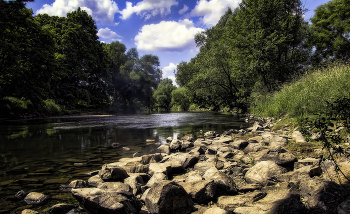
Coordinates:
[158,176]
[28,211]
[60,208]
[164,149]
[135,181]
[224,183]
[263,172]
[298,137]
[164,168]
[200,191]
[99,201]
[216,210]
[185,159]
[112,172]
[167,197]
[239,143]
[279,155]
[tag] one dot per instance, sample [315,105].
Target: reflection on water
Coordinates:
[36,150]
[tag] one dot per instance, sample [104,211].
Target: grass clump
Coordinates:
[15,107]
[307,96]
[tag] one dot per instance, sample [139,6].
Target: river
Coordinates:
[42,154]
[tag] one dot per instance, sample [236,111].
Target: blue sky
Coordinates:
[165,28]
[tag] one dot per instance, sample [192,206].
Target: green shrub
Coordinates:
[307,96]
[51,108]
[15,107]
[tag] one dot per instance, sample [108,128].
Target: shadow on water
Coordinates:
[40,155]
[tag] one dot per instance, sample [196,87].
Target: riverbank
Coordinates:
[242,171]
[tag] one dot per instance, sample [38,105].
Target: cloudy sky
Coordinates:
[165,28]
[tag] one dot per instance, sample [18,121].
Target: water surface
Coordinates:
[40,155]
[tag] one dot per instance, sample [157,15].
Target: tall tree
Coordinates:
[26,54]
[163,94]
[331,30]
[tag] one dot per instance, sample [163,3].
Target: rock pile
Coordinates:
[231,173]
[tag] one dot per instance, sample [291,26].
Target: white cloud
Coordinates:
[169,70]
[183,10]
[167,36]
[212,10]
[101,10]
[148,8]
[108,34]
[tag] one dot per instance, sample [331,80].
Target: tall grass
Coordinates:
[308,95]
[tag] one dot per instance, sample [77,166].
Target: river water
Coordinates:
[40,155]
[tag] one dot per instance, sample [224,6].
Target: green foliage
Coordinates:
[51,108]
[309,95]
[14,107]
[180,98]
[331,30]
[163,94]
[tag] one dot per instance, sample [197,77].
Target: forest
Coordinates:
[55,65]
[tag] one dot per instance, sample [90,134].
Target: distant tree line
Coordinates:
[259,46]
[59,62]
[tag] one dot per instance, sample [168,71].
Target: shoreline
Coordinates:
[247,169]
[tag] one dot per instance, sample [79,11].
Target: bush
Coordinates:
[51,108]
[15,107]
[309,95]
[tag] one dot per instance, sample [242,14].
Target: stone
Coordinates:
[95,180]
[216,210]
[21,194]
[175,144]
[306,162]
[298,137]
[186,144]
[197,151]
[167,197]
[28,211]
[250,188]
[100,201]
[210,134]
[135,181]
[344,207]
[224,183]
[253,147]
[169,139]
[115,145]
[164,168]
[164,149]
[231,202]
[112,172]
[200,191]
[202,167]
[225,140]
[239,144]
[185,159]
[263,172]
[152,158]
[35,198]
[60,208]
[188,137]
[278,141]
[115,187]
[279,155]
[73,185]
[158,176]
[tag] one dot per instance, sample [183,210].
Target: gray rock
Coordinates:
[164,168]
[73,185]
[250,188]
[60,208]
[210,134]
[225,140]
[152,158]
[27,211]
[224,183]
[99,201]
[231,202]
[279,155]
[185,159]
[306,162]
[186,144]
[298,137]
[112,172]
[158,176]
[216,210]
[263,172]
[167,197]
[95,180]
[115,187]
[135,181]
[344,207]
[200,191]
[35,198]
[164,149]
[175,144]
[239,144]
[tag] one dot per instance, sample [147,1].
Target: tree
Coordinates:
[80,75]
[331,30]
[26,54]
[181,98]
[162,95]
[268,41]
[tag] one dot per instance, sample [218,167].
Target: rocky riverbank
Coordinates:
[240,171]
